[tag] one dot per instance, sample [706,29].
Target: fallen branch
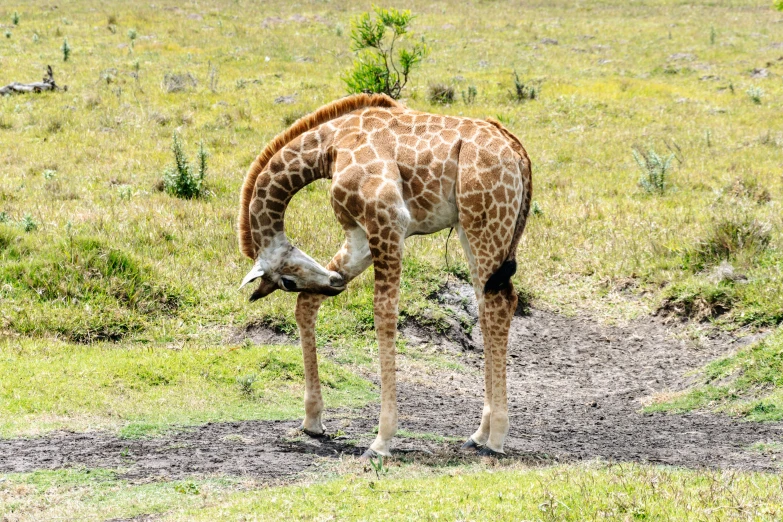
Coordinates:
[47,84]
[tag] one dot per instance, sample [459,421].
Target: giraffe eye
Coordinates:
[288,283]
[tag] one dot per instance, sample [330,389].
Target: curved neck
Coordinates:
[296,165]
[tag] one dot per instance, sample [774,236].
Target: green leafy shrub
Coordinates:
[181,179]
[28,224]
[378,68]
[655,170]
[523,91]
[469,96]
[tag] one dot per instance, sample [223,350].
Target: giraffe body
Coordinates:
[395,172]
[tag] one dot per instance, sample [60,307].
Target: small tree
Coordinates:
[378,68]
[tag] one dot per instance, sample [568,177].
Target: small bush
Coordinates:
[15,18]
[181,179]
[523,91]
[246,384]
[66,50]
[699,302]
[755,94]
[655,169]
[28,224]
[377,68]
[441,94]
[178,82]
[469,97]
[536,209]
[728,237]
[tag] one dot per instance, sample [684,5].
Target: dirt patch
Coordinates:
[575,391]
[261,332]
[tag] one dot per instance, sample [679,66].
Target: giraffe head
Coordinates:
[285,267]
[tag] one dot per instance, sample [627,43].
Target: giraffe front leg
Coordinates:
[388,267]
[352,259]
[307,306]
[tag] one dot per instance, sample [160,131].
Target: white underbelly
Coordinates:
[442,215]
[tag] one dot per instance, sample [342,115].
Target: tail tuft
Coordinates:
[501,278]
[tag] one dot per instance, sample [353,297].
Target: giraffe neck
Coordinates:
[296,165]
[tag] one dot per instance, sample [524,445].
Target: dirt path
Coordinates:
[574,391]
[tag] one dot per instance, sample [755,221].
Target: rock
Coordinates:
[725,272]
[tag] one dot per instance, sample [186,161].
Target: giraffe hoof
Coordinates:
[369,455]
[313,434]
[469,444]
[486,452]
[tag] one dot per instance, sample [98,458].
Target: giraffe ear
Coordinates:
[251,276]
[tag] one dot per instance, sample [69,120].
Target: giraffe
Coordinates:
[394,172]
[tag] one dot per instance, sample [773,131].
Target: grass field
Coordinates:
[117,301]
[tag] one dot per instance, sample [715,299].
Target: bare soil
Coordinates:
[575,392]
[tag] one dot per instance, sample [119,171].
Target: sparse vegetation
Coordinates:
[66,50]
[28,224]
[727,238]
[755,94]
[441,94]
[749,383]
[469,97]
[523,91]
[535,209]
[246,383]
[655,170]
[15,18]
[377,67]
[181,179]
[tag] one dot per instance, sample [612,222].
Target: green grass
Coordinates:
[748,383]
[141,390]
[406,492]
[98,494]
[567,492]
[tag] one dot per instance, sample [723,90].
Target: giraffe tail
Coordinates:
[502,276]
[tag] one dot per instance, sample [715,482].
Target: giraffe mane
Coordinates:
[322,115]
